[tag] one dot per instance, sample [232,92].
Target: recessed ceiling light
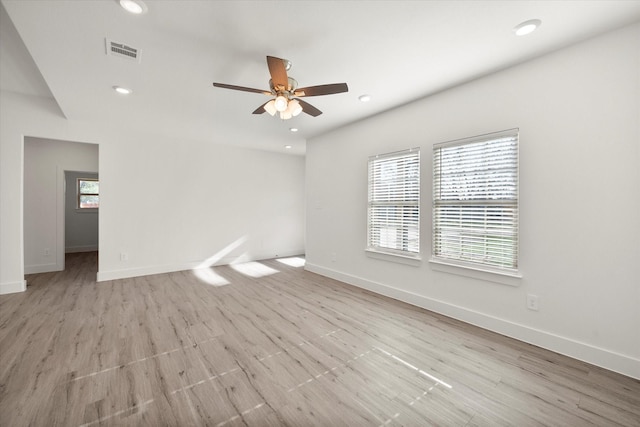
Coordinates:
[287,147]
[122,90]
[527,27]
[293,129]
[364,98]
[136,7]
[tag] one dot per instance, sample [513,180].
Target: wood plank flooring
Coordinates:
[288,348]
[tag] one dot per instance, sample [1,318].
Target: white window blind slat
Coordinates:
[475,200]
[393,219]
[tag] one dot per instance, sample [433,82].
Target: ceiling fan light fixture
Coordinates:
[285,115]
[281,103]
[294,107]
[270,107]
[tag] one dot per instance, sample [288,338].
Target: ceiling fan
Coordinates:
[287,95]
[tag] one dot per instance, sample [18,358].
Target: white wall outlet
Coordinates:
[124,256]
[47,251]
[533,302]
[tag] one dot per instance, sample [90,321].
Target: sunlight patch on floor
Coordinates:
[254,269]
[210,277]
[409,365]
[204,270]
[295,261]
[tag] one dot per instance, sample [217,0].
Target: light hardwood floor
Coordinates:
[290,348]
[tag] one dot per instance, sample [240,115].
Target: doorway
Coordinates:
[47,163]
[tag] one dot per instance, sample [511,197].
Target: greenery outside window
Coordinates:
[393,220]
[88,193]
[475,202]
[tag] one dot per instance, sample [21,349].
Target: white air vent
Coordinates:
[122,50]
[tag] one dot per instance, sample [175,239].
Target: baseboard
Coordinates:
[128,273]
[76,249]
[170,268]
[13,287]
[604,358]
[41,268]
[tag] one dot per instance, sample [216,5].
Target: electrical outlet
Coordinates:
[533,302]
[47,251]
[124,256]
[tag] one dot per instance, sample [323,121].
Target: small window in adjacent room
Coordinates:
[475,202]
[88,193]
[393,223]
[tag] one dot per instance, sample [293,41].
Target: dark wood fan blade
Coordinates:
[261,109]
[329,89]
[242,88]
[278,73]
[309,109]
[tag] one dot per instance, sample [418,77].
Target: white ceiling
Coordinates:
[396,51]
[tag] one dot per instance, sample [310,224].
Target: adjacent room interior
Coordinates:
[319,213]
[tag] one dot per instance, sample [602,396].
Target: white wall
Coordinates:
[183,202]
[578,111]
[169,204]
[45,162]
[80,225]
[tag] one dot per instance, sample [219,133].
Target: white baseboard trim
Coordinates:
[13,287]
[76,249]
[604,358]
[41,268]
[170,268]
[142,271]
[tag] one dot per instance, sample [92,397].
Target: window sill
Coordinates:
[502,277]
[397,258]
[87,210]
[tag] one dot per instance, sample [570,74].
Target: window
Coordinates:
[394,203]
[88,193]
[475,201]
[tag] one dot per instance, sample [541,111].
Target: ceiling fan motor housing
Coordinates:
[292,83]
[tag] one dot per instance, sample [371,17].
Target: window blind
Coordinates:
[475,200]
[394,203]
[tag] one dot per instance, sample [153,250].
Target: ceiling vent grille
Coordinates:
[122,50]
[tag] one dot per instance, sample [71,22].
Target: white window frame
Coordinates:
[79,194]
[397,232]
[477,227]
